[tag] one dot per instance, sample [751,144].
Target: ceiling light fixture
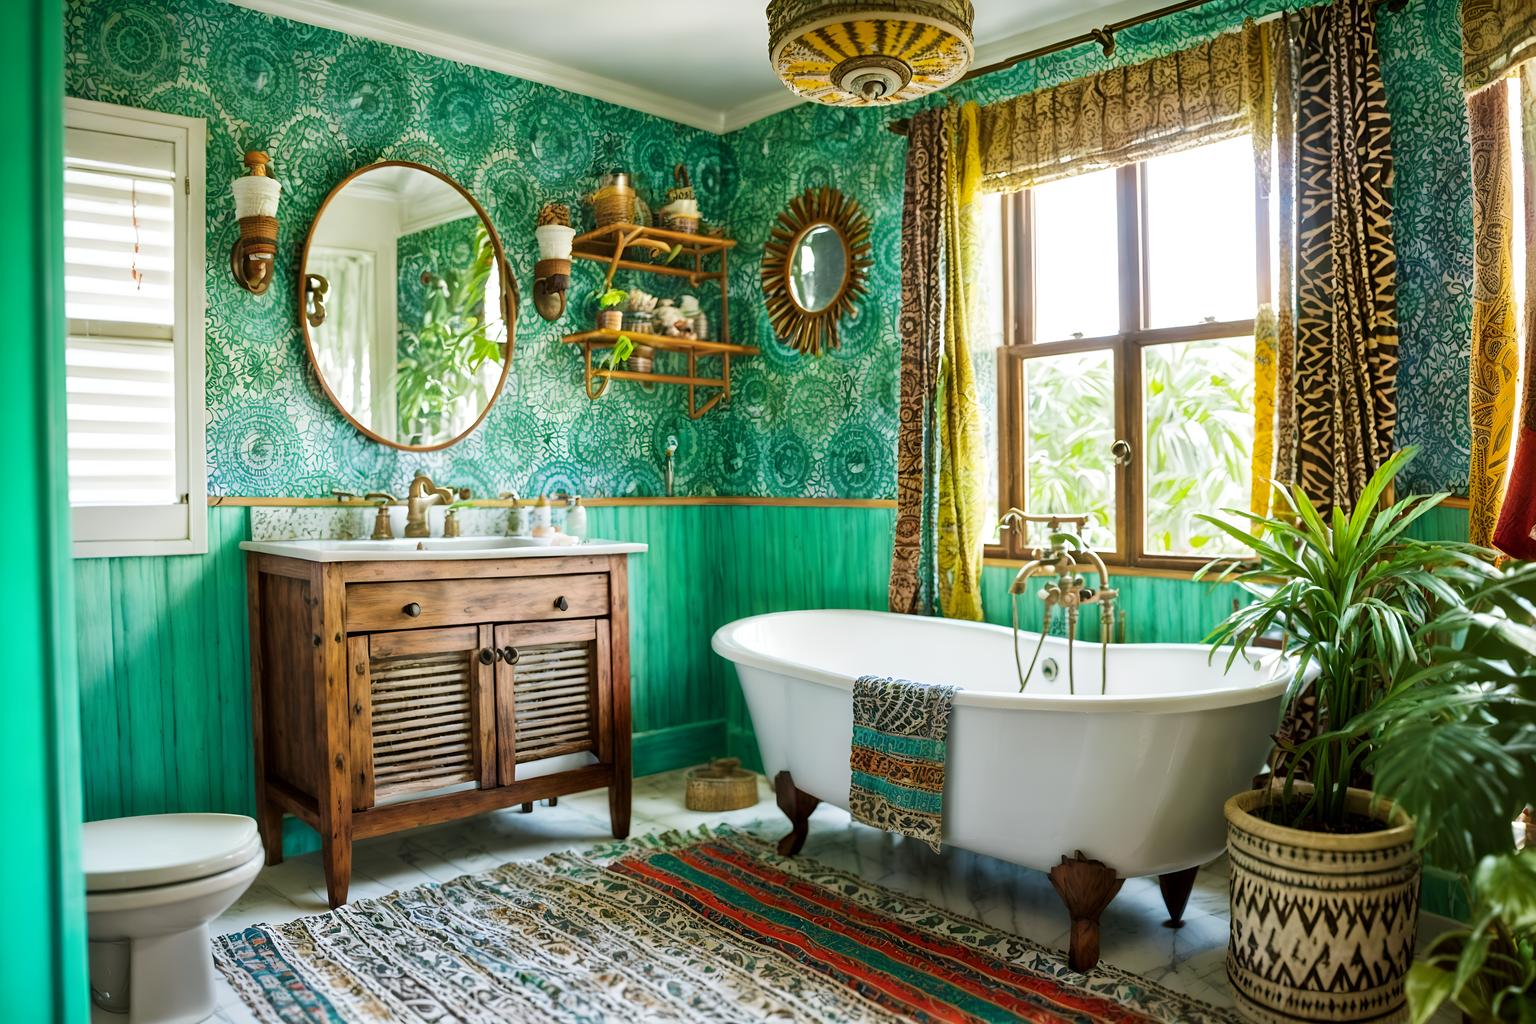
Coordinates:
[861,54]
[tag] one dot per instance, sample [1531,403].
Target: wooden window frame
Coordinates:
[1126,348]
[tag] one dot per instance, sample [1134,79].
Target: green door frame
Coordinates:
[42,939]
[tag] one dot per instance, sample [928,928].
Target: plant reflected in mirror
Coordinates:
[416,340]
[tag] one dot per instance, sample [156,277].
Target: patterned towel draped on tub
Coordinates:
[900,737]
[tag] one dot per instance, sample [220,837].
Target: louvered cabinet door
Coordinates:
[423,711]
[552,692]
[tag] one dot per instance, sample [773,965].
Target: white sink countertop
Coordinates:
[435,549]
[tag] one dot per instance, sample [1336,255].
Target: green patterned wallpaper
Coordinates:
[815,145]
[323,103]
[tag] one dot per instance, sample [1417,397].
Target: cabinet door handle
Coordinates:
[562,603]
[488,655]
[510,654]
[413,609]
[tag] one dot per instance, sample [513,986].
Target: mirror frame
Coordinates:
[809,331]
[509,303]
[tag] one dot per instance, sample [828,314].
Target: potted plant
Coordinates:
[1455,743]
[1325,873]
[610,313]
[1487,969]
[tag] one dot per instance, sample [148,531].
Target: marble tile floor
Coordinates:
[1188,960]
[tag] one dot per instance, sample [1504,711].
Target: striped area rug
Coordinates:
[703,927]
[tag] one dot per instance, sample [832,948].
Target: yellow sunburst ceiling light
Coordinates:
[860,54]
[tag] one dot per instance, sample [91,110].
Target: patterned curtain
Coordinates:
[1496,36]
[1516,530]
[962,443]
[1119,116]
[1284,65]
[1495,333]
[1346,326]
[913,565]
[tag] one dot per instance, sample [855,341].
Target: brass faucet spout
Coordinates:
[422,496]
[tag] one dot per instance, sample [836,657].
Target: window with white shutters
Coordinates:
[133,284]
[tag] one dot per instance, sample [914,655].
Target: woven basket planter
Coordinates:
[1323,924]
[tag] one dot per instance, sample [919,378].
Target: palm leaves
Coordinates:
[1353,594]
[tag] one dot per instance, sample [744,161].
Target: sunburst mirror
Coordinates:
[814,265]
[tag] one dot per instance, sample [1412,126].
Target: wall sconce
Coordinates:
[552,274]
[256,196]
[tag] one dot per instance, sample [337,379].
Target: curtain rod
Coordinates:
[1105,37]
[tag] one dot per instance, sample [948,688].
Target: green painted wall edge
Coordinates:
[42,946]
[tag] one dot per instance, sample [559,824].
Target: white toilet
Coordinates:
[152,884]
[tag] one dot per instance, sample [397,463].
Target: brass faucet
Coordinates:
[422,496]
[381,527]
[1068,591]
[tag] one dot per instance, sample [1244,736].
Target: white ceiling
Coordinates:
[701,62]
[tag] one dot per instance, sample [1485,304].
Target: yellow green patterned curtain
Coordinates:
[1495,333]
[962,446]
[1120,116]
[1515,534]
[1496,36]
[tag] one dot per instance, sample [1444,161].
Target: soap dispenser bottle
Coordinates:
[576,518]
[541,523]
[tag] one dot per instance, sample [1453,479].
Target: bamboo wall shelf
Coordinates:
[597,380]
[612,244]
[609,244]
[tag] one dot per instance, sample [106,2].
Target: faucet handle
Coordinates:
[382,497]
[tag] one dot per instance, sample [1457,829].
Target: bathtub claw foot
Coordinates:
[1176,886]
[1086,887]
[797,805]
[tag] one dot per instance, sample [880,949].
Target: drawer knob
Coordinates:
[510,654]
[488,655]
[413,609]
[562,603]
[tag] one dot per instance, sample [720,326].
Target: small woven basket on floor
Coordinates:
[721,785]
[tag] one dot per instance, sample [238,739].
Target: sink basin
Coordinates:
[435,548]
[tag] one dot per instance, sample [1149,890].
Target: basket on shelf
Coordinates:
[721,785]
[682,210]
[614,201]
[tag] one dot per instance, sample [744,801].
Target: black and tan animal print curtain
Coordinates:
[914,566]
[1345,363]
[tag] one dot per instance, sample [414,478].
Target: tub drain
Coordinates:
[1048,669]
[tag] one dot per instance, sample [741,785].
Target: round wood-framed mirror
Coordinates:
[814,265]
[407,305]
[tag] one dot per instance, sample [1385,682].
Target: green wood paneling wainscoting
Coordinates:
[164,672]
[42,940]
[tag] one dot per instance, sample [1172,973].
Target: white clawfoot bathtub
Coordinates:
[1135,778]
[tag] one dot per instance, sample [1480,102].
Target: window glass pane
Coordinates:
[1200,235]
[1198,440]
[1069,426]
[1077,261]
[984,346]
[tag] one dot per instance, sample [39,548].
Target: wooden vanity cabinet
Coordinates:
[392,694]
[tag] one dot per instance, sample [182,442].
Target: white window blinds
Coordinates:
[133,352]
[119,262]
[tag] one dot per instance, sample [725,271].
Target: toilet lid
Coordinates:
[163,849]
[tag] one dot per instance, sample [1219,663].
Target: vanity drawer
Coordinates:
[423,603]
